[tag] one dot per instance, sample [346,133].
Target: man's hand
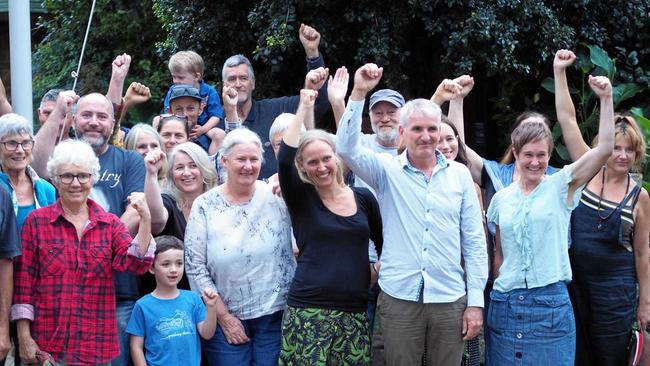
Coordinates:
[316,78]
[233,329]
[447,90]
[229,97]
[308,97]
[64,103]
[563,59]
[337,87]
[601,86]
[472,322]
[366,78]
[210,297]
[310,39]
[136,94]
[121,66]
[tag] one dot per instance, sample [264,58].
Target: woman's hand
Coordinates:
[28,350]
[139,203]
[154,160]
[233,329]
[374,272]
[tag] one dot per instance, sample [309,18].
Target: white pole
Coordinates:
[20,49]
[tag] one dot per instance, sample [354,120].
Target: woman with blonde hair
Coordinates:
[325,320]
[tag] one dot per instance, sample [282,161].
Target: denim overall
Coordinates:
[603,290]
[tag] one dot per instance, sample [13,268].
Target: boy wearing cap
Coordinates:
[187,68]
[185,100]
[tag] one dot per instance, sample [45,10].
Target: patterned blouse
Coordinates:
[243,251]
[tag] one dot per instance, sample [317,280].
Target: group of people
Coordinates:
[233,231]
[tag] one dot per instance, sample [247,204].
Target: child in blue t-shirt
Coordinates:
[187,68]
[166,324]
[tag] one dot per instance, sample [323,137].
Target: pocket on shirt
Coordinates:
[99,262]
[51,260]
[552,316]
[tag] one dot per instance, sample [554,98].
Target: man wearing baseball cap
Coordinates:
[185,100]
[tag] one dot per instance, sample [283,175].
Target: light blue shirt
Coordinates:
[428,224]
[533,231]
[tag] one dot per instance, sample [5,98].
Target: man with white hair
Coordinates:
[432,219]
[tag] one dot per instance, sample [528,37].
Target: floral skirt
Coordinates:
[313,336]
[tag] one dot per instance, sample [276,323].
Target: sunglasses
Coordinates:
[184,91]
[168,116]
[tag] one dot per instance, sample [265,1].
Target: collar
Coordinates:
[95,212]
[441,162]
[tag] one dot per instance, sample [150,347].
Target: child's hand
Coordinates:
[210,297]
[197,131]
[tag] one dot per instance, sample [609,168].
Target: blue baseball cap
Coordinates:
[387,95]
[181,91]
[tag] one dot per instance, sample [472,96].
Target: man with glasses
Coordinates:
[258,115]
[121,173]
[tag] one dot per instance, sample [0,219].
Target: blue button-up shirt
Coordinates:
[428,223]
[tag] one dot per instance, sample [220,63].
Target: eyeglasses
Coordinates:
[12,145]
[68,178]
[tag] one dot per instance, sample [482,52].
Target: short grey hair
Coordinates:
[73,152]
[15,124]
[202,161]
[419,106]
[281,123]
[240,136]
[50,96]
[136,131]
[234,61]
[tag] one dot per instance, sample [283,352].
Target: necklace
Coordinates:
[600,200]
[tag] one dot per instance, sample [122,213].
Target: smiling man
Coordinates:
[431,218]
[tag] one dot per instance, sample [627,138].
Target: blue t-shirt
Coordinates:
[212,108]
[9,238]
[169,328]
[121,172]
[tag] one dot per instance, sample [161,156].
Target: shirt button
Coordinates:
[426,229]
[519,317]
[521,297]
[519,335]
[424,270]
[425,249]
[518,354]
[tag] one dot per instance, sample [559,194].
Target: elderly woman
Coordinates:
[238,242]
[28,191]
[530,312]
[325,321]
[64,299]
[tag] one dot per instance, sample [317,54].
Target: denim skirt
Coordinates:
[531,327]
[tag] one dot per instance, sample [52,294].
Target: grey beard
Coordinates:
[95,143]
[387,138]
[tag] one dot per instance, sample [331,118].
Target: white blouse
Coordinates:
[243,251]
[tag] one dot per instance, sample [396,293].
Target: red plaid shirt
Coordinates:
[69,282]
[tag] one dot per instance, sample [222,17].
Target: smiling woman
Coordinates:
[28,191]
[238,242]
[64,301]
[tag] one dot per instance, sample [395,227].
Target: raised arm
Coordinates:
[310,40]
[314,80]
[588,164]
[455,92]
[231,120]
[5,107]
[48,134]
[143,237]
[153,161]
[136,93]
[120,69]
[337,88]
[564,108]
[305,112]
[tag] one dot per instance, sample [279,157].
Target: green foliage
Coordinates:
[118,26]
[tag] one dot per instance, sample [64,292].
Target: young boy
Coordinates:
[166,324]
[187,68]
